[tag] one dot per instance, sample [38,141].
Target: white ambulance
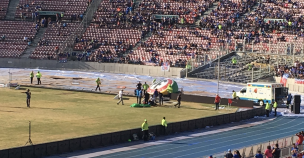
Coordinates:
[261,92]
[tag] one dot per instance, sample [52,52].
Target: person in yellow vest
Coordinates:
[98,83]
[275,106]
[145,87]
[267,108]
[38,75]
[164,125]
[234,61]
[145,129]
[289,24]
[220,26]
[32,76]
[233,94]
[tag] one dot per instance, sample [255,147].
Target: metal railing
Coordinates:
[285,144]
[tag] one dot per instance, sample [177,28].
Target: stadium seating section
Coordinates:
[185,29]
[54,36]
[69,7]
[13,45]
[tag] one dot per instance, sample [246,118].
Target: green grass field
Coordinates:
[58,115]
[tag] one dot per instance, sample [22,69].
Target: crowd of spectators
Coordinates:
[296,71]
[68,9]
[272,151]
[232,25]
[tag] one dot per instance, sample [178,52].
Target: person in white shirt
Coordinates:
[120,97]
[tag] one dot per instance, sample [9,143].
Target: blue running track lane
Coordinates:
[192,146]
[219,142]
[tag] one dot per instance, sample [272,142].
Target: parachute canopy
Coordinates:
[140,105]
[164,86]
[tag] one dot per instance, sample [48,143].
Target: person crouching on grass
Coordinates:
[28,97]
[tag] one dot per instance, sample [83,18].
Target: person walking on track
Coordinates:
[32,76]
[28,97]
[217,101]
[145,129]
[38,75]
[275,106]
[164,125]
[120,97]
[98,84]
[267,108]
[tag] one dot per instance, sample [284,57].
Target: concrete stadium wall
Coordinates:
[107,139]
[210,100]
[292,86]
[185,97]
[92,66]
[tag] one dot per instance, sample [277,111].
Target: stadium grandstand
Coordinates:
[238,41]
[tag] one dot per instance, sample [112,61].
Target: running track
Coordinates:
[191,146]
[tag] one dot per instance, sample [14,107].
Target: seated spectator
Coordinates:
[294,150]
[3,37]
[258,155]
[25,39]
[229,154]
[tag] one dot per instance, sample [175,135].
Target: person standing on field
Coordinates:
[161,99]
[120,97]
[145,87]
[32,76]
[28,97]
[217,101]
[138,95]
[179,98]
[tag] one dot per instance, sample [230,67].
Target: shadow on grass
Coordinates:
[33,108]
[5,111]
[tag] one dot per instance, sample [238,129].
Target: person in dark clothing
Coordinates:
[289,98]
[155,94]
[229,154]
[161,99]
[276,151]
[28,97]
[179,98]
[147,97]
[138,85]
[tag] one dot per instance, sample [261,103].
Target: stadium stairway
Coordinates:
[214,5]
[11,10]
[30,49]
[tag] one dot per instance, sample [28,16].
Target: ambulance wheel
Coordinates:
[261,103]
[237,98]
